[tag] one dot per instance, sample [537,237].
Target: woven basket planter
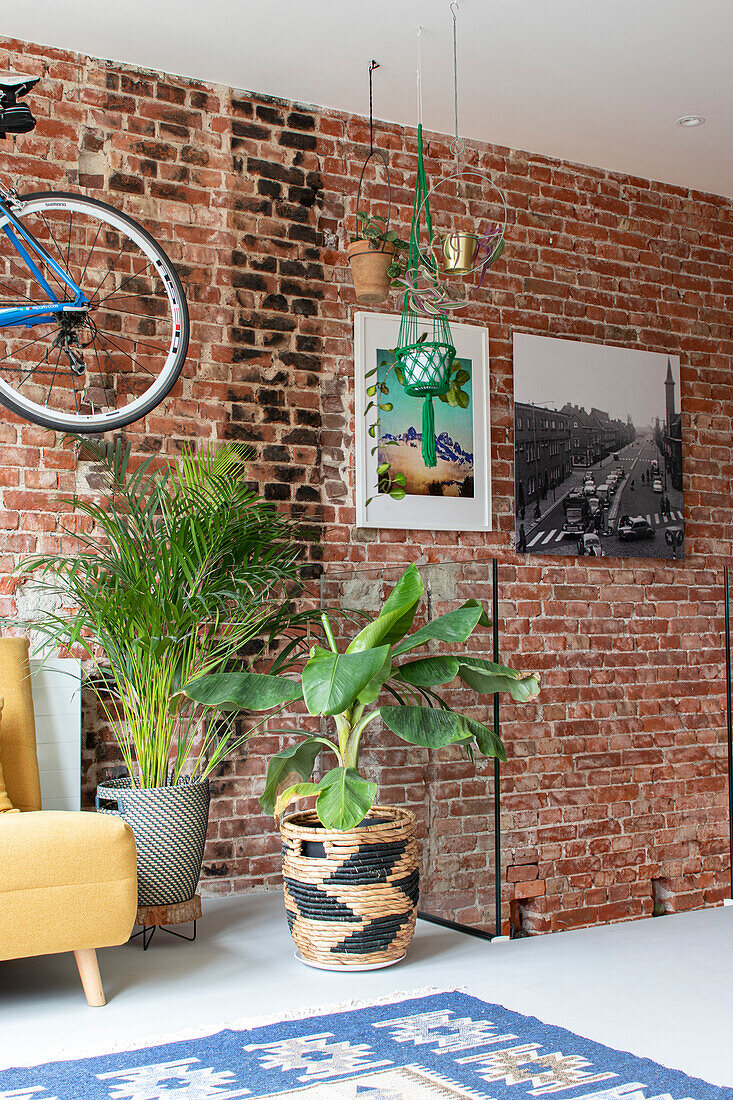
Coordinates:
[170,826]
[351,897]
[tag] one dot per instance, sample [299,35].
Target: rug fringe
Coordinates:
[69,1053]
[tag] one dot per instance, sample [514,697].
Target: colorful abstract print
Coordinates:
[448,1046]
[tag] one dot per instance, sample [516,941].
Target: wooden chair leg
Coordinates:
[86,961]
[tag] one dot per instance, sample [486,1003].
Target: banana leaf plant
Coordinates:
[346,686]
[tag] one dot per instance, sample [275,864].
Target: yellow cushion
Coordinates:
[67,881]
[5,804]
[18,729]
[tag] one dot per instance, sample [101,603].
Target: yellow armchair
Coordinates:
[68,881]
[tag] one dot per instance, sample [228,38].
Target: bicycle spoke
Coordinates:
[121,336]
[135,297]
[111,341]
[94,244]
[51,234]
[18,293]
[33,369]
[76,399]
[99,369]
[129,279]
[68,249]
[53,377]
[109,272]
[24,346]
[61,282]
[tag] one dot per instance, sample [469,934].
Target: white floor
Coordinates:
[660,988]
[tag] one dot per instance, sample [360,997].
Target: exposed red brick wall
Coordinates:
[616,777]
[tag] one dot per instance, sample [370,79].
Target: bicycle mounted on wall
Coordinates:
[93,318]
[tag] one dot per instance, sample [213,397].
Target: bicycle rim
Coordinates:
[110,363]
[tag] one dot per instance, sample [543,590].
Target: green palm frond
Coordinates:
[184,568]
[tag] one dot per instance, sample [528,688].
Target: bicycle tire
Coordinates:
[99,423]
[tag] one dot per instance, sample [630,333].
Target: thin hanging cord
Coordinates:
[419,77]
[456,144]
[372,66]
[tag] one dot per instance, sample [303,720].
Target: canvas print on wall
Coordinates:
[455,493]
[597,450]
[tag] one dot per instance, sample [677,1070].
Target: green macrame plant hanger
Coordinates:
[425,350]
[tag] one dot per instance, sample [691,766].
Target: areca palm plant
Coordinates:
[182,567]
[346,686]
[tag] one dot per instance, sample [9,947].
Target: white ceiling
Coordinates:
[595,81]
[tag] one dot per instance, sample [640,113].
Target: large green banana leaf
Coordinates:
[434,729]
[298,758]
[332,681]
[428,671]
[454,626]
[486,677]
[406,594]
[343,798]
[235,691]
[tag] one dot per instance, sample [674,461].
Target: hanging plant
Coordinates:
[377,256]
[468,249]
[376,253]
[389,482]
[425,351]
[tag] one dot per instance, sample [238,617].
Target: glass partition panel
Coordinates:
[451,796]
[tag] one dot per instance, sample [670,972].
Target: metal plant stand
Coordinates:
[154,917]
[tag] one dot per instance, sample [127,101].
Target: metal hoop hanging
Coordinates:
[457,145]
[468,253]
[493,240]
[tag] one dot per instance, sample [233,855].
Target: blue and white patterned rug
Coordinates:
[447,1046]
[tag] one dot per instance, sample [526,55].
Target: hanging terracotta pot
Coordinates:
[369,271]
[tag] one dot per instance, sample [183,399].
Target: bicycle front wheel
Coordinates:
[110,362]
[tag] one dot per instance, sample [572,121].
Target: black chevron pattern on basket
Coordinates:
[372,863]
[351,897]
[170,825]
[379,933]
[410,886]
[316,904]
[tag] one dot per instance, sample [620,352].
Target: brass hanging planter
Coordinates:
[458,252]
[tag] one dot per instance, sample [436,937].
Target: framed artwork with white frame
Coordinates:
[455,494]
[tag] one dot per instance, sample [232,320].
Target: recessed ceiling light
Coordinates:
[690,120]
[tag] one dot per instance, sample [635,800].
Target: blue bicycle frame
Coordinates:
[25,243]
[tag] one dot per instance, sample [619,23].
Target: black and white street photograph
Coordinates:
[597,450]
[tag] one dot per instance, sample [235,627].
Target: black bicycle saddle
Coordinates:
[15,118]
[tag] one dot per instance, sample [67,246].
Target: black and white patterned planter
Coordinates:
[170,826]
